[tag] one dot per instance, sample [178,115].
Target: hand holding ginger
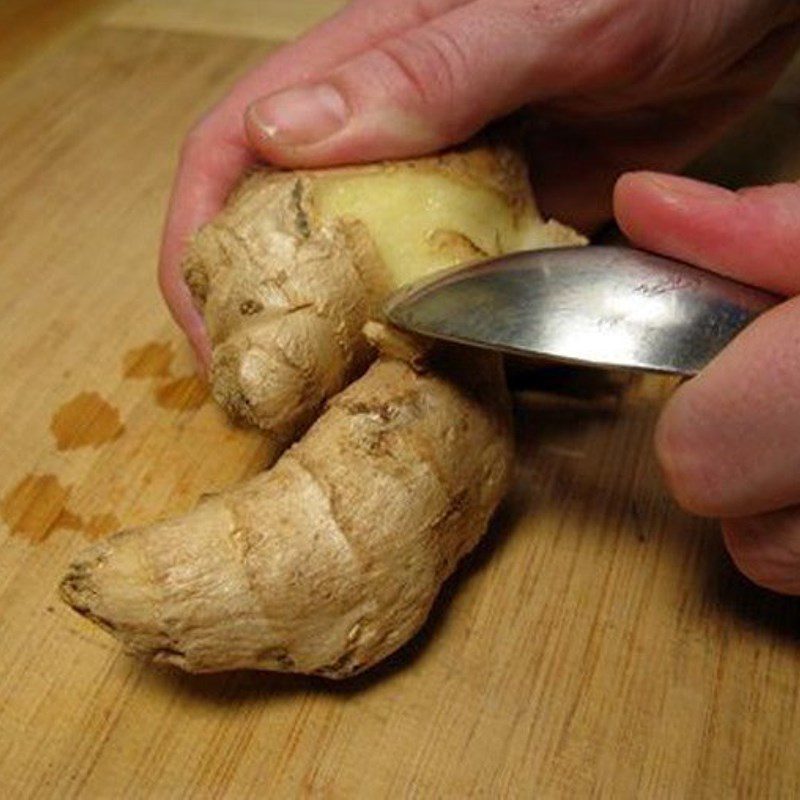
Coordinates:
[615,86]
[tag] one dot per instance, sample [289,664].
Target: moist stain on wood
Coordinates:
[67,519]
[100,525]
[35,506]
[152,360]
[182,394]
[85,421]
[94,527]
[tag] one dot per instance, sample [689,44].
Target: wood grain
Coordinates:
[598,644]
[265,19]
[29,27]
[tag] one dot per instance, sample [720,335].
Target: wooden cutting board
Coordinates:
[597,644]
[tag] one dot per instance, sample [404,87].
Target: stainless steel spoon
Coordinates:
[598,305]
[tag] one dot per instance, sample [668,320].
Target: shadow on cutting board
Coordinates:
[641,506]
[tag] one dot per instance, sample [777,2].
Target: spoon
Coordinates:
[608,306]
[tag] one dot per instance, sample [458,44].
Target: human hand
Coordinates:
[614,85]
[729,439]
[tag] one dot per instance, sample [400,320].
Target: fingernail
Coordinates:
[678,188]
[300,116]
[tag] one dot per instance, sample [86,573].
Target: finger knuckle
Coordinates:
[433,66]
[613,44]
[636,40]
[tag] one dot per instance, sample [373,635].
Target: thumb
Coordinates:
[436,84]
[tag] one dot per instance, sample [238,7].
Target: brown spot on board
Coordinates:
[182,394]
[149,361]
[35,506]
[66,519]
[101,525]
[85,421]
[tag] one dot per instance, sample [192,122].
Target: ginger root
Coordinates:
[330,560]
[288,274]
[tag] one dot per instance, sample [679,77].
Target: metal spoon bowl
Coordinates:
[600,305]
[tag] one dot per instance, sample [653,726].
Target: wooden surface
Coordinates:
[597,644]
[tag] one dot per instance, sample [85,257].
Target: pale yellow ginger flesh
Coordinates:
[330,560]
[288,274]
